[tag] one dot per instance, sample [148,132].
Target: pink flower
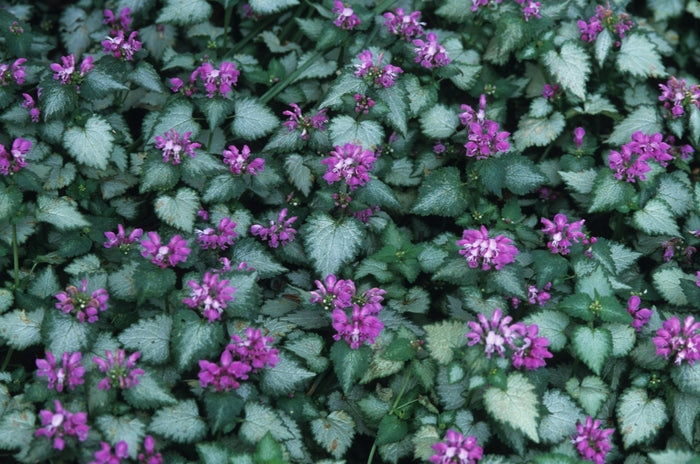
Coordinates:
[347,19]
[61,424]
[297,119]
[362,326]
[164,255]
[476,4]
[539,297]
[16,72]
[121,371]
[217,80]
[86,307]
[579,133]
[550,91]
[496,335]
[561,233]
[121,47]
[333,293]
[120,239]
[30,104]
[457,449]
[429,53]
[374,73]
[149,456]
[123,23]
[604,18]
[13,161]
[677,96]
[479,249]
[530,8]
[70,373]
[104,454]
[484,135]
[254,349]
[211,297]
[280,232]
[641,316]
[225,375]
[350,163]
[64,71]
[221,238]
[363,103]
[406,26]
[173,145]
[679,341]
[592,442]
[532,350]
[238,163]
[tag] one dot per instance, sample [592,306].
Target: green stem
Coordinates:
[393,410]
[15,254]
[227,23]
[281,85]
[6,361]
[252,34]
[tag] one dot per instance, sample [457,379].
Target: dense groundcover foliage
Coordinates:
[449,231]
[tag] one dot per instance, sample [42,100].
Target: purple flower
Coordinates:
[676,96]
[641,316]
[149,456]
[70,373]
[121,371]
[363,103]
[238,163]
[364,215]
[61,424]
[457,449]
[604,18]
[120,239]
[589,30]
[532,350]
[225,375]
[65,72]
[350,163]
[104,454]
[682,342]
[363,326]
[486,140]
[280,232]
[628,164]
[121,47]
[429,53]
[15,72]
[164,255]
[297,119]
[122,23]
[13,161]
[479,249]
[592,442]
[651,146]
[174,145]
[347,19]
[561,233]
[495,334]
[333,293]
[211,297]
[374,73]
[86,307]
[221,238]
[539,297]
[530,8]
[476,4]
[216,80]
[406,26]
[254,349]
[30,104]
[550,91]
[579,133]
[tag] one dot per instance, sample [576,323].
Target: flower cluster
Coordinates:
[405,25]
[641,315]
[675,244]
[429,53]
[241,356]
[480,250]
[173,145]
[677,96]
[537,296]
[375,73]
[120,239]
[350,163]
[681,342]
[13,161]
[561,233]
[123,22]
[632,161]
[211,297]
[220,238]
[30,104]
[604,18]
[364,215]
[529,350]
[347,19]
[121,46]
[280,231]
[592,442]
[86,307]
[216,80]
[550,91]
[70,374]
[104,454]
[363,103]
[61,424]
[149,456]
[333,293]
[164,255]
[237,161]
[297,119]
[16,71]
[66,72]
[484,135]
[457,449]
[121,370]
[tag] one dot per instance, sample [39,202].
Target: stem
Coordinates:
[393,409]
[281,85]
[227,23]
[254,33]
[15,254]
[6,361]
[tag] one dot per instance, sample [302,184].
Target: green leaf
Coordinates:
[6,299]
[261,419]
[644,118]
[45,284]
[538,132]
[299,174]
[180,210]
[284,377]
[676,191]
[694,125]
[516,406]
[320,67]
[271,6]
[578,305]
[180,423]
[349,365]
[395,99]
[609,193]
[125,428]
[194,338]
[439,122]
[332,244]
[686,377]
[592,346]
[638,56]
[10,200]
[64,333]
[21,328]
[257,256]
[146,76]
[685,410]
[656,218]
[61,212]
[579,181]
[151,281]
[224,187]
[157,175]
[591,393]
[508,37]
[253,119]
[521,175]
[309,349]
[376,192]
[220,408]
[345,129]
[334,432]
[343,85]
[419,97]
[184,12]
[622,256]
[17,428]
[603,45]
[612,311]
[570,68]
[213,453]
[148,394]
[623,338]
[441,194]
[443,337]
[552,325]
[560,422]
[268,451]
[548,267]
[675,456]
[99,83]
[391,429]
[151,337]
[177,116]
[667,281]
[640,418]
